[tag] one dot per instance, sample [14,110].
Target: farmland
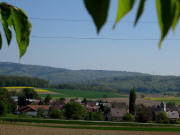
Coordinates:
[165,99]
[19,89]
[82,93]
[31,130]
[65,93]
[52,127]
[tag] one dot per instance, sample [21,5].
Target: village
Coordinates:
[84,109]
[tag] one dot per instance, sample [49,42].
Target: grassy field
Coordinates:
[65,93]
[165,99]
[104,127]
[82,93]
[9,129]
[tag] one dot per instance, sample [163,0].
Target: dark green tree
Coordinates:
[97,116]
[47,99]
[161,117]
[3,108]
[22,100]
[54,113]
[170,104]
[132,101]
[40,113]
[29,93]
[74,110]
[84,101]
[143,113]
[4,95]
[5,98]
[128,117]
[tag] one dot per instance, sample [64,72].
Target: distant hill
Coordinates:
[145,84]
[95,79]
[60,75]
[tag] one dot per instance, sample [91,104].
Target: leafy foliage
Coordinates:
[132,101]
[74,110]
[128,117]
[140,10]
[98,9]
[3,108]
[22,81]
[143,113]
[161,117]
[7,105]
[29,93]
[47,99]
[124,6]
[54,113]
[11,16]
[168,12]
[95,116]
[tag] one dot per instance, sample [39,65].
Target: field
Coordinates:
[14,126]
[82,93]
[30,130]
[38,90]
[165,99]
[65,93]
[110,96]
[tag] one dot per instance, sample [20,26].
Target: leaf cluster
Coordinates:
[168,12]
[13,17]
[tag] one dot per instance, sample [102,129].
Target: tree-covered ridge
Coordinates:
[98,80]
[22,81]
[147,84]
[59,75]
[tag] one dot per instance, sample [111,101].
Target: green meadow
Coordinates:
[73,93]
[166,99]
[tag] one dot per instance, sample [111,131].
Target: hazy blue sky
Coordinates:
[125,55]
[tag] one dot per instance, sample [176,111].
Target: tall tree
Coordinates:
[132,101]
[74,110]
[47,99]
[29,93]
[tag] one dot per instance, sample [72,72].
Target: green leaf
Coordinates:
[5,16]
[0,41]
[176,7]
[124,6]
[165,12]
[13,16]
[22,28]
[98,9]
[140,10]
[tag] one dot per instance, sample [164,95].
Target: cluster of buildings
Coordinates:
[113,111]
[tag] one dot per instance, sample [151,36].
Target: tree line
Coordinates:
[6,81]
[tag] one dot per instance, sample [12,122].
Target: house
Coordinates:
[32,110]
[117,111]
[14,98]
[173,115]
[91,106]
[116,114]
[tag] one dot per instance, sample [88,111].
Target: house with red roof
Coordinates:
[32,110]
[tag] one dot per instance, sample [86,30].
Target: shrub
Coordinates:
[3,108]
[74,110]
[143,113]
[55,113]
[95,116]
[161,117]
[128,117]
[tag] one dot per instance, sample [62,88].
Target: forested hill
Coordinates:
[89,79]
[147,84]
[60,75]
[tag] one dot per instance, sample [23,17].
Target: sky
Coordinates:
[53,20]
